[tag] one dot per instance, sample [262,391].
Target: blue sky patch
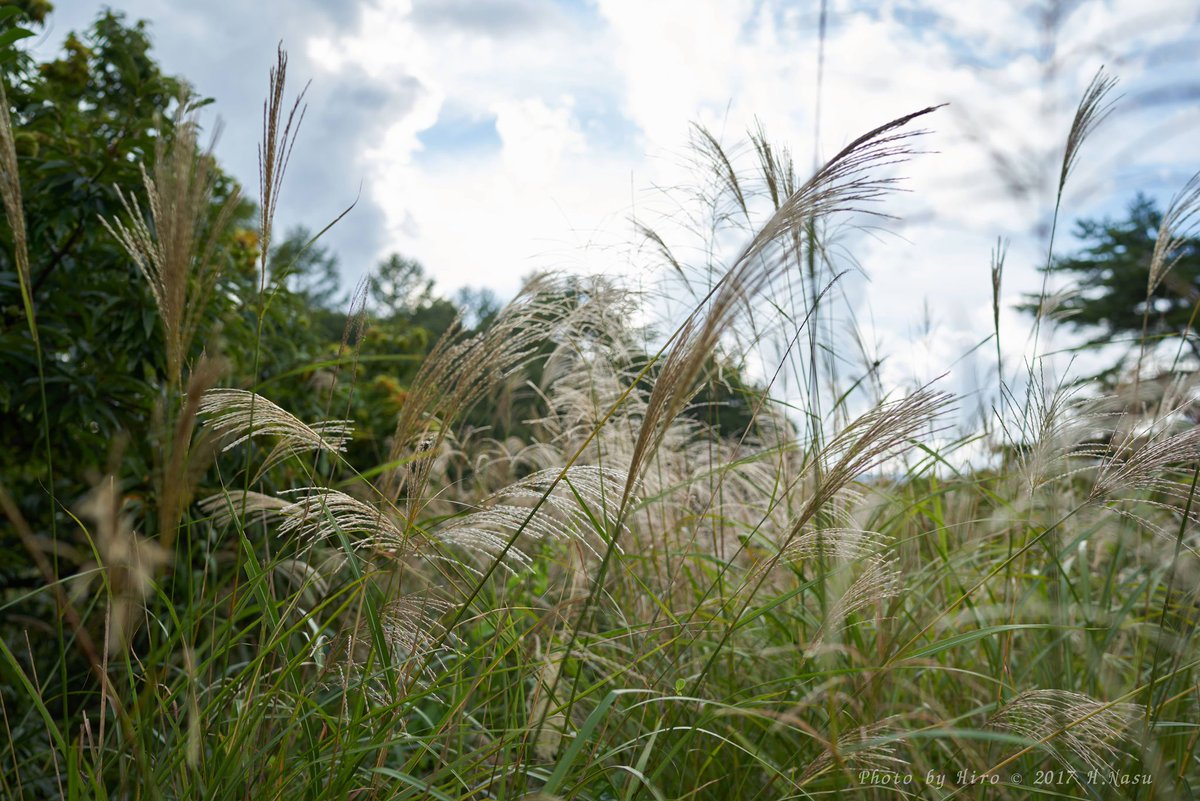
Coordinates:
[456,134]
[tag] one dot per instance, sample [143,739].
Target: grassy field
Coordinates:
[629,603]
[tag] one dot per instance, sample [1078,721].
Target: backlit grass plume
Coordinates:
[863,748]
[239,416]
[458,372]
[320,514]
[586,495]
[175,247]
[850,181]
[1073,727]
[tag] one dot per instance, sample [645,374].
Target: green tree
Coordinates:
[1114,300]
[479,306]
[83,123]
[401,290]
[307,269]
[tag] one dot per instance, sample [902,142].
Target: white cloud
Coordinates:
[557,191]
[536,137]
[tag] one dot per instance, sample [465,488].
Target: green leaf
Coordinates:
[34,697]
[971,636]
[581,738]
[412,781]
[13,35]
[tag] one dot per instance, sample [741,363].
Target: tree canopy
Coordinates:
[1113,300]
[83,123]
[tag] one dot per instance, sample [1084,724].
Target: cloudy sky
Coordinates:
[494,137]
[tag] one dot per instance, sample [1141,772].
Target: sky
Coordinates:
[492,138]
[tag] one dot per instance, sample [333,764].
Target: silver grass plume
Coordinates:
[303,576]
[249,506]
[830,543]
[841,543]
[845,183]
[412,633]
[1148,467]
[776,167]
[1092,110]
[1055,305]
[458,372]
[242,415]
[861,748]
[275,150]
[321,514]
[175,249]
[1069,725]
[595,329]
[1152,472]
[1177,226]
[491,529]
[879,580]
[1168,398]
[580,398]
[870,441]
[495,463]
[1057,433]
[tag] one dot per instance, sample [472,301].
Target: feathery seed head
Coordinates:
[242,415]
[1069,725]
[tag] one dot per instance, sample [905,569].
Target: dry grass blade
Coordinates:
[242,415]
[1069,725]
